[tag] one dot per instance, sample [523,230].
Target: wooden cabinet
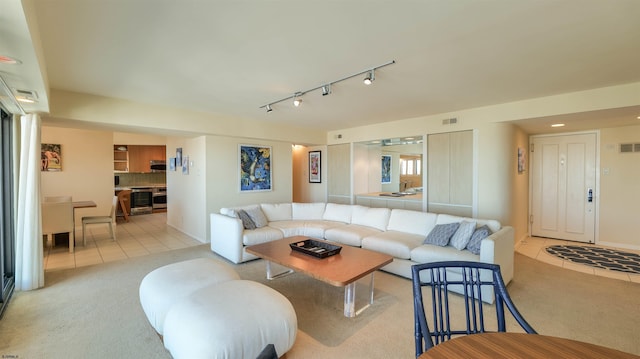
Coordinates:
[140,157]
[120,158]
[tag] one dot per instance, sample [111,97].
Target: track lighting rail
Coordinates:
[326,88]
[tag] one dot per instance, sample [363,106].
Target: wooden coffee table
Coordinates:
[340,270]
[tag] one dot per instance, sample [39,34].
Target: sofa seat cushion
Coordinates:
[393,243]
[261,235]
[315,229]
[428,253]
[350,234]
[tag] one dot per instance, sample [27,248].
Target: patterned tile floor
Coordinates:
[535,247]
[142,235]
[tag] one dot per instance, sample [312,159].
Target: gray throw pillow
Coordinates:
[257,216]
[462,236]
[477,237]
[247,222]
[441,234]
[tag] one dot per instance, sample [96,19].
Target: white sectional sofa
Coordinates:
[397,232]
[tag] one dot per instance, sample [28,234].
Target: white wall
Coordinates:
[222,175]
[87,168]
[186,193]
[619,188]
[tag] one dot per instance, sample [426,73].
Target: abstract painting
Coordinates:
[255,168]
[386,169]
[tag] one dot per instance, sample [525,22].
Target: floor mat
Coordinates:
[602,258]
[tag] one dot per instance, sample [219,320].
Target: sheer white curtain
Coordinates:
[29,266]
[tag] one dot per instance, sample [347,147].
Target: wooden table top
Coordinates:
[338,270]
[519,345]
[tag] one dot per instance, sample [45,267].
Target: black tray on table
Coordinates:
[319,249]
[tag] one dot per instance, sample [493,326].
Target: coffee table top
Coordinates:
[349,265]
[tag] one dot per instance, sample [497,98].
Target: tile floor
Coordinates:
[534,247]
[142,235]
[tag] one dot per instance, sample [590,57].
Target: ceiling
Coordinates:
[229,58]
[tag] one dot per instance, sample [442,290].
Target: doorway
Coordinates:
[563,186]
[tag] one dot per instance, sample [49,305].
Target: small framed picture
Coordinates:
[386,169]
[172,164]
[315,169]
[522,160]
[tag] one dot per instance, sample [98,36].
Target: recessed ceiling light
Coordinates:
[558,125]
[9,60]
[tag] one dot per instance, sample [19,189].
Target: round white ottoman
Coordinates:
[234,319]
[164,286]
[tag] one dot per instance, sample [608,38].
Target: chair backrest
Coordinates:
[470,277]
[57,217]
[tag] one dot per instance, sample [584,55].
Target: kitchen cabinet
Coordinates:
[120,158]
[140,157]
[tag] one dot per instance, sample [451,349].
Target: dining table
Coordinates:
[520,345]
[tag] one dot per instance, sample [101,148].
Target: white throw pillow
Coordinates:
[463,234]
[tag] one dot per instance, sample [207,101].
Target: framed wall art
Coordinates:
[386,169]
[255,168]
[522,160]
[178,156]
[50,157]
[185,165]
[315,170]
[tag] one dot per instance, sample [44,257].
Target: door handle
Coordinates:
[590,195]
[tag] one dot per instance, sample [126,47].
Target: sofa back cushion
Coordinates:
[233,211]
[338,212]
[413,222]
[277,211]
[493,225]
[307,211]
[377,218]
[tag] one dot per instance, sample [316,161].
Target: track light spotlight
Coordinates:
[326,89]
[269,109]
[297,101]
[370,77]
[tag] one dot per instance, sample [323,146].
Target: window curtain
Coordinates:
[29,254]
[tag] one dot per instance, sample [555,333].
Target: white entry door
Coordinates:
[563,180]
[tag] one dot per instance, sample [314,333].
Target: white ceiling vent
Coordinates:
[8,100]
[449,121]
[629,147]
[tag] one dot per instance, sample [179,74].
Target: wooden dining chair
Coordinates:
[110,220]
[124,199]
[469,278]
[57,217]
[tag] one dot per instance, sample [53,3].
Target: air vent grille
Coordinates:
[629,147]
[449,121]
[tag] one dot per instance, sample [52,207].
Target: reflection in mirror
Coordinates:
[406,165]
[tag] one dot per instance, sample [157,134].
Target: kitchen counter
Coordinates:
[122,188]
[391,200]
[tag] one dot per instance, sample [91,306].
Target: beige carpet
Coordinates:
[94,312]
